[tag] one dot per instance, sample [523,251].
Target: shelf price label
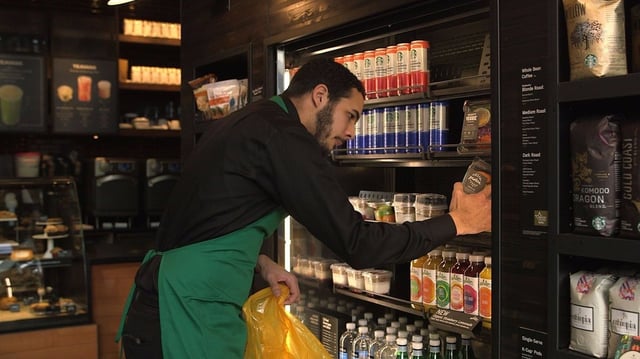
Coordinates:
[453,321]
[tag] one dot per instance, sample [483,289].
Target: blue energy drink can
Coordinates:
[411,128]
[424,114]
[390,129]
[376,131]
[439,125]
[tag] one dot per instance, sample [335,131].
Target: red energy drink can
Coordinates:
[392,70]
[347,61]
[358,65]
[369,74]
[419,66]
[402,66]
[339,60]
[380,69]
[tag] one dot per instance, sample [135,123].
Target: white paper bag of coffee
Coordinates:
[590,312]
[596,38]
[624,310]
[595,172]
[630,182]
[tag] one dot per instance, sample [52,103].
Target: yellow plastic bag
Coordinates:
[273,333]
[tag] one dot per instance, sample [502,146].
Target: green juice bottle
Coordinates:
[443,279]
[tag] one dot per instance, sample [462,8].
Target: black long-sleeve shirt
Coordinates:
[261,158]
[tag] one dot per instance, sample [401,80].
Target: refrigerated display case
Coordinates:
[459,37]
[42,257]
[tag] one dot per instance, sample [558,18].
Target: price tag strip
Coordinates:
[453,321]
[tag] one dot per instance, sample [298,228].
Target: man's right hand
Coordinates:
[471,212]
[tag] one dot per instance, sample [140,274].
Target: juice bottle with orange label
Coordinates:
[443,279]
[472,283]
[429,279]
[415,281]
[484,293]
[457,279]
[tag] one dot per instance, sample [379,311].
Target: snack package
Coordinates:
[223,97]
[476,128]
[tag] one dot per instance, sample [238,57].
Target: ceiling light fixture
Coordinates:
[118,2]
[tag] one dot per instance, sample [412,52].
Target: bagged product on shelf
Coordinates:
[624,302]
[589,318]
[630,185]
[595,161]
[596,38]
[223,97]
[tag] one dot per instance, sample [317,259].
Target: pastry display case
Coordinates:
[43,279]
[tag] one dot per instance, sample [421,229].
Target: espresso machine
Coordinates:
[161,176]
[113,185]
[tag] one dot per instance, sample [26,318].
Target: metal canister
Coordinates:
[424,126]
[380,69]
[347,61]
[369,74]
[376,131]
[361,132]
[358,65]
[392,70]
[401,129]
[439,125]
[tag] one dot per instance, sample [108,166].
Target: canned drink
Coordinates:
[358,65]
[339,59]
[390,129]
[392,70]
[411,128]
[369,74]
[419,66]
[402,68]
[401,129]
[376,131]
[380,69]
[347,61]
[439,125]
[361,132]
[424,115]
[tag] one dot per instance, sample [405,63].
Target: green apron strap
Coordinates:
[280,102]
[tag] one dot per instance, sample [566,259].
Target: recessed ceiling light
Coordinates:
[118,2]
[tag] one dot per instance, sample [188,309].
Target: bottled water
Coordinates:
[377,343]
[362,343]
[402,353]
[346,341]
[434,349]
[417,352]
[451,351]
[388,350]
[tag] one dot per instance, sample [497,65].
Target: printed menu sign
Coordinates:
[82,96]
[22,105]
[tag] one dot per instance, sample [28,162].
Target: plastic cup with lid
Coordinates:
[429,205]
[403,206]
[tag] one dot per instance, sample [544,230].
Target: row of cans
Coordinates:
[402,129]
[391,71]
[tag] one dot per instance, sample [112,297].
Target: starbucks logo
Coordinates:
[591,60]
[598,223]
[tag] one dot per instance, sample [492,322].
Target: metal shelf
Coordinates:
[145,40]
[599,88]
[380,299]
[148,87]
[596,247]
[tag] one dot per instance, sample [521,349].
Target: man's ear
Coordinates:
[320,95]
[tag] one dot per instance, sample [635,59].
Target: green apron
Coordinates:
[201,290]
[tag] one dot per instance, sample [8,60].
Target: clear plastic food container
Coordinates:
[377,281]
[355,279]
[322,268]
[339,273]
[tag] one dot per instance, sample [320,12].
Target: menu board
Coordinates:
[22,105]
[82,96]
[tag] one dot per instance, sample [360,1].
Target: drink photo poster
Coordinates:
[22,98]
[83,96]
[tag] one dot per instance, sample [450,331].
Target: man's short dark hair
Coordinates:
[338,79]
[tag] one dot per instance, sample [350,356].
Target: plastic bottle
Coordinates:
[300,314]
[443,282]
[484,293]
[414,340]
[361,343]
[434,349]
[457,279]
[346,341]
[429,269]
[415,281]
[466,352]
[377,343]
[472,284]
[388,350]
[403,323]
[401,352]
[381,324]
[370,323]
[417,352]
[419,324]
[410,328]
[450,351]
